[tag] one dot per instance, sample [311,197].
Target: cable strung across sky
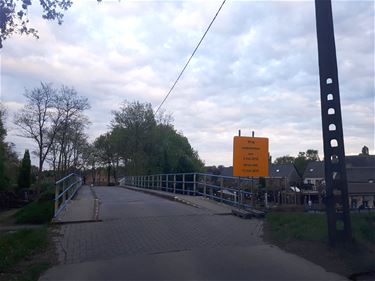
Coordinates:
[192,55]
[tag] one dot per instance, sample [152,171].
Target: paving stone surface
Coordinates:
[80,208]
[136,223]
[145,237]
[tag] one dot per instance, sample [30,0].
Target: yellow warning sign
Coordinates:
[250,157]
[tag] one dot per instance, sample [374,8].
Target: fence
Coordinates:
[65,190]
[229,190]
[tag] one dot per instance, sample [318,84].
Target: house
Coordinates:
[282,176]
[281,184]
[314,174]
[360,170]
[226,171]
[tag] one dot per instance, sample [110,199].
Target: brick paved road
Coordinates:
[146,237]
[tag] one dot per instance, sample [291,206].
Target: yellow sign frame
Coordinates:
[250,157]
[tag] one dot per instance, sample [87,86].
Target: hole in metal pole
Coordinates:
[334,159]
[329,97]
[334,143]
[329,81]
[332,127]
[331,111]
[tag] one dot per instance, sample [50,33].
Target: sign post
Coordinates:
[250,159]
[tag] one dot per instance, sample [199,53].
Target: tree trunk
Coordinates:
[109,175]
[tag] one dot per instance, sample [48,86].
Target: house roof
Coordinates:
[280,170]
[360,161]
[314,169]
[361,188]
[359,168]
[361,174]
[226,171]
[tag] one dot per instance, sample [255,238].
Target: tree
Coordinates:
[284,159]
[312,155]
[24,178]
[3,133]
[70,138]
[14,16]
[137,122]
[301,162]
[90,159]
[9,162]
[146,144]
[105,152]
[39,120]
[365,151]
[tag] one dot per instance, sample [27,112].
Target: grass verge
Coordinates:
[37,212]
[18,252]
[306,235]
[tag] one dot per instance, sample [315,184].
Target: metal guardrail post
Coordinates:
[166,183]
[63,197]
[183,184]
[56,198]
[174,183]
[65,190]
[204,186]
[221,189]
[195,184]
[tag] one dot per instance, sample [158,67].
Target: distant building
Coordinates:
[361,180]
[282,176]
[360,170]
[314,174]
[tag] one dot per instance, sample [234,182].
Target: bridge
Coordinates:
[133,232]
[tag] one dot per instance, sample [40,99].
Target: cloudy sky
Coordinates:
[257,69]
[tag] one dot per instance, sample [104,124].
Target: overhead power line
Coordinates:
[192,55]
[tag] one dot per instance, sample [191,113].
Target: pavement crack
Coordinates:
[169,251]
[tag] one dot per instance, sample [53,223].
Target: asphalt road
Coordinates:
[144,237]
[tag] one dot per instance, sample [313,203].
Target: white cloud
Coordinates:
[257,68]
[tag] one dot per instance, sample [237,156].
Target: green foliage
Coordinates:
[38,212]
[284,160]
[21,244]
[24,178]
[145,145]
[3,181]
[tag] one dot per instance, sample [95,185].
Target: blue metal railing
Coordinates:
[229,190]
[65,189]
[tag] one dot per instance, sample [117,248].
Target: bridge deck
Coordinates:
[142,236]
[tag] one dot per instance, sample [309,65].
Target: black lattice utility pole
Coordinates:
[337,204]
